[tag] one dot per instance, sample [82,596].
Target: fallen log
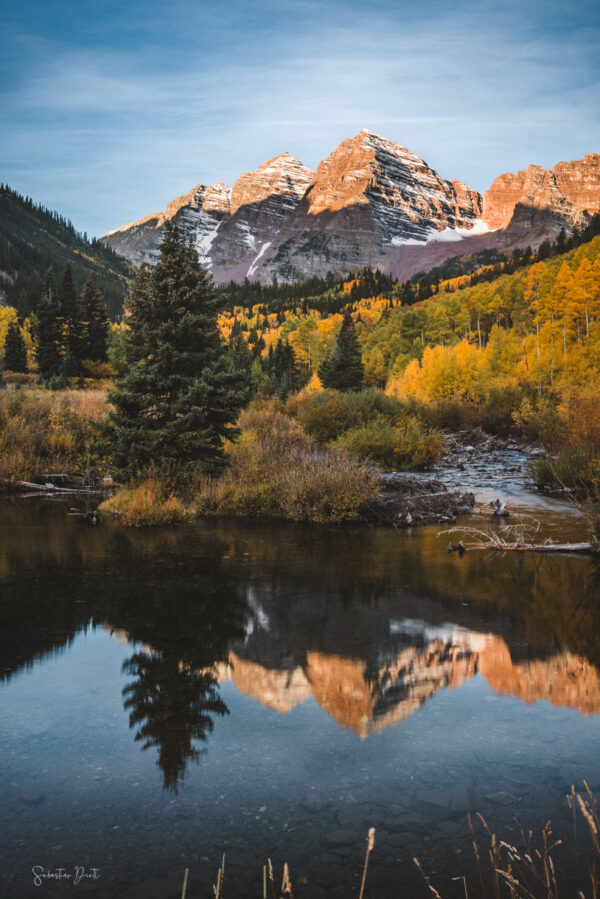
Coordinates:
[537,547]
[49,488]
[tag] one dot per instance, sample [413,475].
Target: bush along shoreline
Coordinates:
[273,468]
[276,470]
[287,460]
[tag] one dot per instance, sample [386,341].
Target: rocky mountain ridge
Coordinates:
[370,202]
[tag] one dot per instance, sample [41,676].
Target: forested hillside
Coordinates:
[532,321]
[34,239]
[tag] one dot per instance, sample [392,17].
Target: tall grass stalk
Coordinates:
[271,878]
[185,880]
[286,883]
[370,846]
[432,889]
[220,876]
[530,871]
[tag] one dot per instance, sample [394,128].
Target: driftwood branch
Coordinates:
[514,540]
[51,488]
[537,547]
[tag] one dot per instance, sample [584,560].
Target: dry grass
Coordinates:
[43,430]
[149,502]
[89,404]
[530,870]
[277,470]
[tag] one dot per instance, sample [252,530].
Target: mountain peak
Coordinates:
[283,175]
[372,202]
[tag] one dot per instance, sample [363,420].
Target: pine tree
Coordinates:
[48,331]
[343,370]
[74,328]
[180,397]
[96,321]
[283,368]
[241,356]
[15,351]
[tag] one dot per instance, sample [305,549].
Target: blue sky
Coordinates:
[110,109]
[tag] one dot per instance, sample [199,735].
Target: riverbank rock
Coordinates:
[404,501]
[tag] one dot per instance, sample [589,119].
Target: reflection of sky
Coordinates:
[110,110]
[65,736]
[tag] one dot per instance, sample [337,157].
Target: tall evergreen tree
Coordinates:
[96,321]
[283,369]
[344,370]
[241,357]
[74,328]
[48,331]
[180,397]
[15,351]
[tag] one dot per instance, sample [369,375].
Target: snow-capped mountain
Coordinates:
[371,202]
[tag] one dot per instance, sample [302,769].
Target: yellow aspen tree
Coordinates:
[564,309]
[533,295]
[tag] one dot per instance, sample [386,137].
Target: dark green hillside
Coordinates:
[33,239]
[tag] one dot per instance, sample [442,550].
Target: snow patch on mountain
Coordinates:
[205,239]
[446,235]
[452,234]
[261,252]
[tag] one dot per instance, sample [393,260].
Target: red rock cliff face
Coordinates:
[535,187]
[579,182]
[551,199]
[262,201]
[367,200]
[282,176]
[402,190]
[200,213]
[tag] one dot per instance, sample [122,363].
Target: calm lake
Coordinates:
[272,691]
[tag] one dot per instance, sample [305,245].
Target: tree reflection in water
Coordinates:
[173,706]
[302,611]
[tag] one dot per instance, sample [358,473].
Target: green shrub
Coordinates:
[499,408]
[409,446]
[329,413]
[278,470]
[540,419]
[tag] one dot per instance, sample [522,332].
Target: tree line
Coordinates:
[33,239]
[68,331]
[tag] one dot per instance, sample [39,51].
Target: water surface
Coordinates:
[272,690]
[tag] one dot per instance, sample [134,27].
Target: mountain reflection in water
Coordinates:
[295,686]
[370,624]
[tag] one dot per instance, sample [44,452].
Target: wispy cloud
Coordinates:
[113,126]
